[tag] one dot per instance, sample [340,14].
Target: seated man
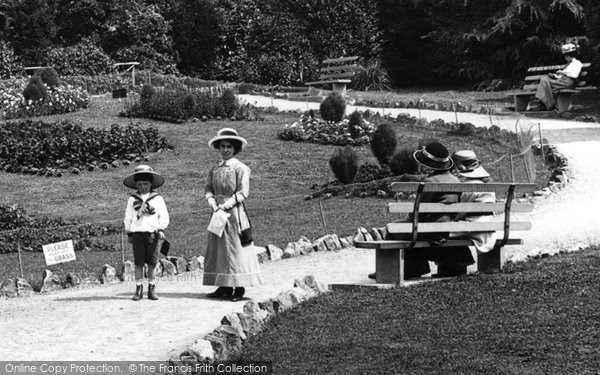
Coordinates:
[562,79]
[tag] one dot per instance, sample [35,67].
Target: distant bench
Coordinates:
[389,254]
[338,72]
[564,96]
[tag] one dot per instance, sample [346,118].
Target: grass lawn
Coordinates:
[536,317]
[282,174]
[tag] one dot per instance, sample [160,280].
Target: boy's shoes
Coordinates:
[139,291]
[152,292]
[238,294]
[221,292]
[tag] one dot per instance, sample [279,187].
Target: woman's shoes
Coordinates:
[221,292]
[238,294]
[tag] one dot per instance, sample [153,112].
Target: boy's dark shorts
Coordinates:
[144,248]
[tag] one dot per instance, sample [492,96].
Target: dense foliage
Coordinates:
[283,41]
[36,100]
[344,164]
[38,147]
[38,231]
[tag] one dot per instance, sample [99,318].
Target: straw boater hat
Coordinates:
[226,134]
[157,180]
[568,48]
[467,165]
[435,156]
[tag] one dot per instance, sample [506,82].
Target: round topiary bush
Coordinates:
[368,172]
[35,89]
[355,123]
[403,162]
[189,104]
[383,143]
[333,107]
[147,93]
[50,77]
[344,164]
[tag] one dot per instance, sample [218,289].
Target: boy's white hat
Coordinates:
[157,180]
[467,164]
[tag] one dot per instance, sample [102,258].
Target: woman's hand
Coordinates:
[161,234]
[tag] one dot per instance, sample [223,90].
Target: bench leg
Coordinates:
[521,102]
[339,87]
[563,101]
[389,266]
[490,261]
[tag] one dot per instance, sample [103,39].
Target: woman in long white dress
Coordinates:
[228,263]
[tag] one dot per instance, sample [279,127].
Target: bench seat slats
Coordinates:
[340,60]
[457,226]
[329,81]
[554,67]
[393,244]
[461,187]
[406,207]
[342,68]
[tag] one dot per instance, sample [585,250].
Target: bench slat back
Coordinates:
[336,70]
[535,73]
[458,187]
[340,60]
[408,207]
[457,226]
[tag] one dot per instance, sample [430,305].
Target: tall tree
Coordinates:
[31,29]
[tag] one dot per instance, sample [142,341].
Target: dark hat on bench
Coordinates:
[435,156]
[467,164]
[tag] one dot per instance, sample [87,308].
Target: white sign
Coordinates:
[59,252]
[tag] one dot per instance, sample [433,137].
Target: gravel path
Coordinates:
[102,323]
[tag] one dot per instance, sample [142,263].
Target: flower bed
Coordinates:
[314,130]
[62,99]
[37,147]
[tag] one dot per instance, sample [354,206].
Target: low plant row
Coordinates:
[315,130]
[38,147]
[182,104]
[44,230]
[63,99]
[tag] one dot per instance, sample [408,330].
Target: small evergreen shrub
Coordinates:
[368,172]
[333,107]
[189,104]
[344,164]
[35,89]
[147,93]
[355,124]
[229,102]
[383,143]
[50,77]
[403,162]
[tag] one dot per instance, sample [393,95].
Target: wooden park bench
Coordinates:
[389,254]
[336,72]
[564,96]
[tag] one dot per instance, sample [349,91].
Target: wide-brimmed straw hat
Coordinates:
[435,156]
[227,134]
[467,164]
[157,180]
[568,48]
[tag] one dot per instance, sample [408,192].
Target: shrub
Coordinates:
[355,124]
[373,77]
[49,77]
[403,162]
[84,58]
[383,143]
[35,89]
[147,93]
[333,107]
[371,172]
[246,88]
[344,164]
[229,102]
[189,104]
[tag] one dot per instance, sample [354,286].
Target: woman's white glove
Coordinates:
[213,204]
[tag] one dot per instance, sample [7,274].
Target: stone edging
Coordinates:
[236,327]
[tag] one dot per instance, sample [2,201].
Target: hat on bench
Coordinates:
[467,164]
[435,156]
[568,48]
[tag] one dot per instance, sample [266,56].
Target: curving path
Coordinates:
[102,323]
